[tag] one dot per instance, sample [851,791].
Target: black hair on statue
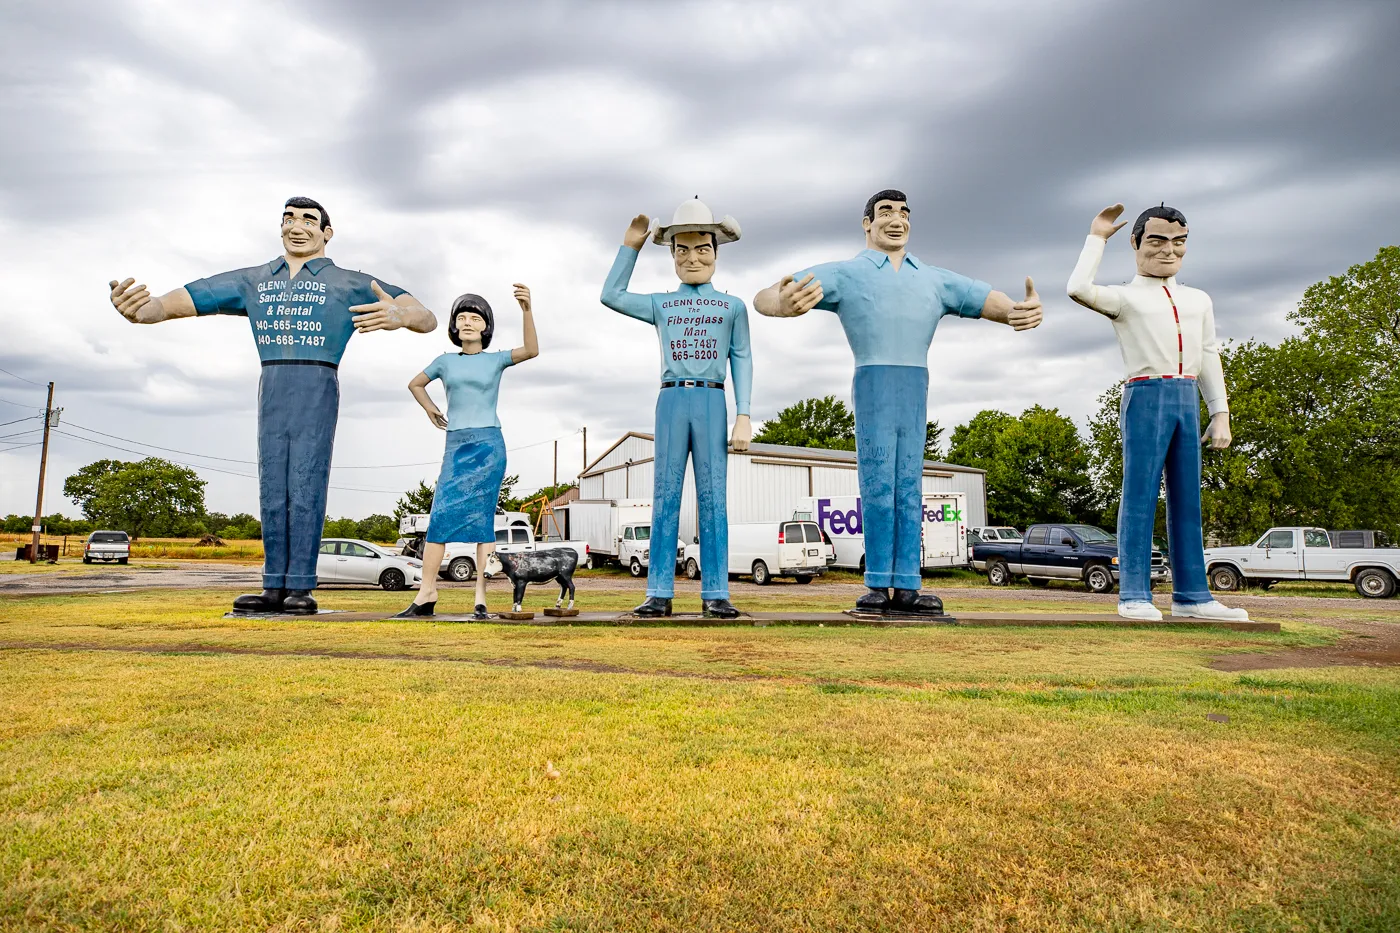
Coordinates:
[481,306]
[307,202]
[889,194]
[714,242]
[1170,214]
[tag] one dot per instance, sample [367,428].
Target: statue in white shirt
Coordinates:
[1166,334]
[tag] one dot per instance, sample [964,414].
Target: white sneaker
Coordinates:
[1140,612]
[1211,610]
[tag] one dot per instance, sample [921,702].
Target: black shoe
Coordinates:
[875,600]
[916,602]
[299,603]
[654,608]
[417,610]
[720,609]
[479,613]
[269,600]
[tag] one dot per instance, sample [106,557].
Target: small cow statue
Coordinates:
[541,567]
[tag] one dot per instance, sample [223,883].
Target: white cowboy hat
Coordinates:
[695,217]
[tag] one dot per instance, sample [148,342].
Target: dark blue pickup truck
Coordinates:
[1059,552]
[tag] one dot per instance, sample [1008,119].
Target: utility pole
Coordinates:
[556,463]
[43,464]
[585,455]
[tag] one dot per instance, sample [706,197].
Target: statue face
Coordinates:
[1163,244]
[301,231]
[694,254]
[888,230]
[470,326]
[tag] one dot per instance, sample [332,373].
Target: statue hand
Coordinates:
[637,230]
[743,433]
[1217,434]
[1103,225]
[378,315]
[522,295]
[129,298]
[1026,314]
[796,298]
[438,419]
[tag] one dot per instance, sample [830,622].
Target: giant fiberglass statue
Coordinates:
[303,308]
[703,333]
[889,304]
[1166,333]
[474,461]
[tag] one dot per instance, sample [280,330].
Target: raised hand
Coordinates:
[796,298]
[1217,434]
[129,298]
[636,235]
[522,295]
[378,315]
[1026,314]
[1103,225]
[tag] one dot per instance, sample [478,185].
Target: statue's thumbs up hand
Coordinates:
[1026,314]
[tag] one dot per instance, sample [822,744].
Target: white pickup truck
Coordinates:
[513,535]
[1304,554]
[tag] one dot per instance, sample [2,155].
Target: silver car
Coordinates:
[350,560]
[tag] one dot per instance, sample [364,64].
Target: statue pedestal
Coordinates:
[561,613]
[516,616]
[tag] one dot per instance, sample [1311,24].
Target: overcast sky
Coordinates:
[462,147]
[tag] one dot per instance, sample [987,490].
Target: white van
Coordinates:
[765,550]
[944,528]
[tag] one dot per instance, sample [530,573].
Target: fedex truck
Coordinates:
[944,528]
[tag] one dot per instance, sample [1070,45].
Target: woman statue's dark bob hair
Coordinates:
[482,307]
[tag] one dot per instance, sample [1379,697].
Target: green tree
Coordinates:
[380,528]
[244,526]
[813,422]
[418,501]
[340,528]
[933,441]
[1037,465]
[506,501]
[147,497]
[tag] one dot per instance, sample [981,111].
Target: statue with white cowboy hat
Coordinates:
[703,332]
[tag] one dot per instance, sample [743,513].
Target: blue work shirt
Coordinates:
[473,383]
[889,315]
[302,318]
[700,329]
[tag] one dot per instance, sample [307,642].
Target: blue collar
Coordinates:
[703,289]
[883,259]
[311,265]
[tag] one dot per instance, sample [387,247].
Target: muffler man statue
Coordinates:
[703,333]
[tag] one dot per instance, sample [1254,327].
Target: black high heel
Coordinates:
[417,610]
[479,614]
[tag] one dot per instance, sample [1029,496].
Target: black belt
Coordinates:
[300,363]
[691,384]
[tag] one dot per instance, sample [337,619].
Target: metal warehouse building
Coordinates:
[766,481]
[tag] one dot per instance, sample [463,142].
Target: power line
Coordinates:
[187,453]
[6,424]
[19,433]
[22,379]
[20,447]
[18,405]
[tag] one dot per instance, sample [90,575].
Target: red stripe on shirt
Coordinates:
[1180,347]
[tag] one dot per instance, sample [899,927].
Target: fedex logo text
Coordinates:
[838,522]
[944,513]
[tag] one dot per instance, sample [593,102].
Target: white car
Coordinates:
[350,560]
[765,550]
[997,533]
[1300,553]
[107,545]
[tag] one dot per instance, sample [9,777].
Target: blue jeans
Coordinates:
[891,417]
[690,422]
[1161,424]
[298,404]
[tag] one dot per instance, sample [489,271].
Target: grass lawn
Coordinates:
[164,767]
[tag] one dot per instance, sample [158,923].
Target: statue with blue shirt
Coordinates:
[302,310]
[889,304]
[702,333]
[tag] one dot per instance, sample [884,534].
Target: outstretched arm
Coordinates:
[1021,315]
[1212,385]
[615,294]
[390,313]
[135,303]
[1081,286]
[531,349]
